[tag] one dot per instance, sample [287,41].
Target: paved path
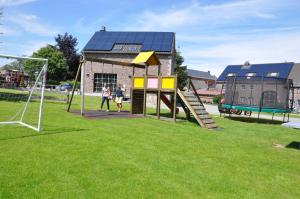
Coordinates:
[213,109]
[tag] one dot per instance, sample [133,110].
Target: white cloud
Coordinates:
[195,13]
[24,48]
[7,3]
[31,23]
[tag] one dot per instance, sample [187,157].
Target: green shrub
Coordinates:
[217,99]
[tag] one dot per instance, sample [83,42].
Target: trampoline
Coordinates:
[258,94]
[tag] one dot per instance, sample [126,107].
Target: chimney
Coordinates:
[208,72]
[103,29]
[247,63]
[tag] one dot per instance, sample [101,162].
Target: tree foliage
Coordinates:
[67,45]
[57,66]
[181,71]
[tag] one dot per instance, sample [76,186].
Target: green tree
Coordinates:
[57,66]
[181,71]
[67,45]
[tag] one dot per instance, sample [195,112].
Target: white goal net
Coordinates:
[22,86]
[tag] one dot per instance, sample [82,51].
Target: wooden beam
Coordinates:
[109,61]
[175,99]
[74,85]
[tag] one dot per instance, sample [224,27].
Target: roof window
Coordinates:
[273,74]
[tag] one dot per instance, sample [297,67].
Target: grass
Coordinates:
[76,157]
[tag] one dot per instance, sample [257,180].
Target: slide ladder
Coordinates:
[193,106]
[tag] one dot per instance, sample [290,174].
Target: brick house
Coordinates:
[202,79]
[124,46]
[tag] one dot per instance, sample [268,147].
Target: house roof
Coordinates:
[200,74]
[208,92]
[148,58]
[283,70]
[144,41]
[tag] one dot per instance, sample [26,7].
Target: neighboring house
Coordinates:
[202,79]
[288,70]
[295,76]
[124,46]
[13,78]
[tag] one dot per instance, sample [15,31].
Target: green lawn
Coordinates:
[76,157]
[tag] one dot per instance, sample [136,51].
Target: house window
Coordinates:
[118,47]
[298,102]
[231,74]
[102,78]
[250,74]
[273,74]
[132,48]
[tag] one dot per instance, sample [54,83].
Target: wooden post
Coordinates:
[82,88]
[145,94]
[131,90]
[158,98]
[175,98]
[132,95]
[74,85]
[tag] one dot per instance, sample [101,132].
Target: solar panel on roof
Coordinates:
[157,41]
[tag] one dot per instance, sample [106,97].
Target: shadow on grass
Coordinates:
[46,133]
[168,115]
[13,97]
[293,145]
[254,120]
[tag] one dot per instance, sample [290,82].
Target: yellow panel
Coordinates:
[138,82]
[148,58]
[168,83]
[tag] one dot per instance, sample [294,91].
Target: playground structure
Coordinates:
[164,87]
[257,94]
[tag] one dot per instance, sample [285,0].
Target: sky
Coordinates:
[210,34]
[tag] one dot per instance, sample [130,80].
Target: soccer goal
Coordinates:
[22,87]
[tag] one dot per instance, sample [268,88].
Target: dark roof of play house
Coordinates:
[147,41]
[200,74]
[283,70]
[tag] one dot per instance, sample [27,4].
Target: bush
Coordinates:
[217,99]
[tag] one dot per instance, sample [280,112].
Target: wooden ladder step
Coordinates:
[197,103]
[189,96]
[208,121]
[201,112]
[204,116]
[211,126]
[198,107]
[194,99]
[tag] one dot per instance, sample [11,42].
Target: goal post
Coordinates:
[22,88]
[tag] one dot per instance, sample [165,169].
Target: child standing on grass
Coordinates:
[105,97]
[119,98]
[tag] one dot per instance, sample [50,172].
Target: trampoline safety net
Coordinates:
[258,92]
